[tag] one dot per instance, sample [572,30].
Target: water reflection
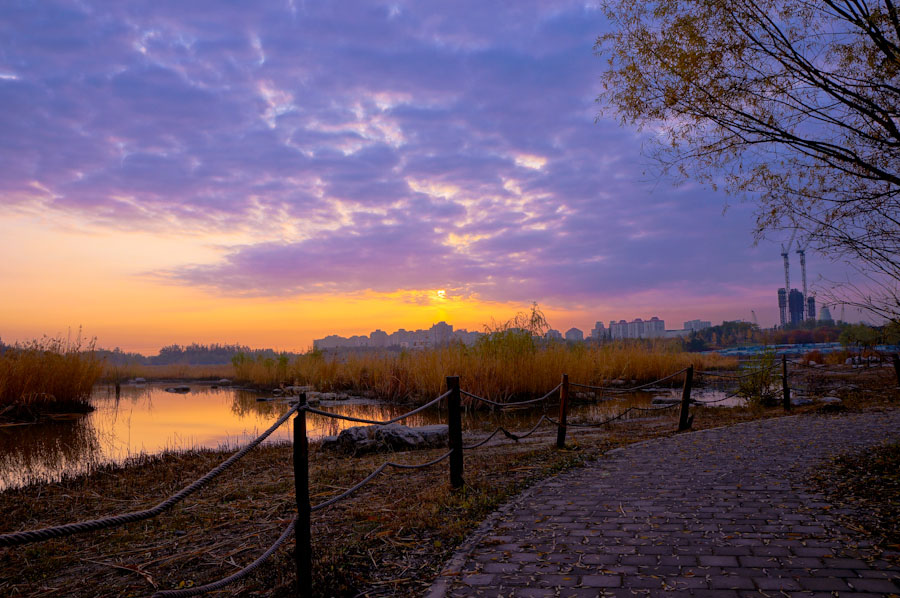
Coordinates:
[30,451]
[145,419]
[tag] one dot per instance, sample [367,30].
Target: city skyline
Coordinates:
[443,332]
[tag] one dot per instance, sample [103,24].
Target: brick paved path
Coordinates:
[719,513]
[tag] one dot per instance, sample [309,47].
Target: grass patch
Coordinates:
[51,375]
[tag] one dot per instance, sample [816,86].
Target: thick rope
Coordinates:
[516,404]
[372,475]
[633,388]
[61,531]
[738,376]
[376,422]
[509,435]
[614,418]
[217,585]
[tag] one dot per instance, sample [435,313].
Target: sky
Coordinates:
[272,172]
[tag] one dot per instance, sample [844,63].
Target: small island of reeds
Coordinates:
[51,375]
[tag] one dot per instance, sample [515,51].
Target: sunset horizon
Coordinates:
[271,176]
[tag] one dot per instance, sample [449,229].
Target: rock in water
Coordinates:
[392,437]
[179,389]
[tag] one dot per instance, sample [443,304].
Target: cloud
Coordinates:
[400,145]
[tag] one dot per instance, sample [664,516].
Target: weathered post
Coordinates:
[563,412]
[686,419]
[302,538]
[897,367]
[784,384]
[454,425]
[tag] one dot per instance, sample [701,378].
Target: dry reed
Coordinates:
[506,366]
[47,375]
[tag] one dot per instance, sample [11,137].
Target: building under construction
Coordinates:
[795,306]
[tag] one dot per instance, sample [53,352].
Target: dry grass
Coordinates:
[47,375]
[507,367]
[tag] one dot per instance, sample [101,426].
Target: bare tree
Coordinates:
[794,103]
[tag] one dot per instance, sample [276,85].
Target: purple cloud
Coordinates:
[407,144]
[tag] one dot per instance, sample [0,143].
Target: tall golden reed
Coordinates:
[51,374]
[505,366]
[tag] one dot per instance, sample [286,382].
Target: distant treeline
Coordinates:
[194,354]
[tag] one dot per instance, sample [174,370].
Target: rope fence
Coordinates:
[300,525]
[70,529]
[618,389]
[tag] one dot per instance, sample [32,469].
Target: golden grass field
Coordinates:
[47,375]
[505,367]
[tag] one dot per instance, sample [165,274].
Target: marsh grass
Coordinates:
[501,367]
[46,376]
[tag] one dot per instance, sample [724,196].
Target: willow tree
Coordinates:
[795,103]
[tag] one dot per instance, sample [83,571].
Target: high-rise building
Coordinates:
[553,335]
[697,325]
[795,306]
[379,338]
[782,307]
[574,334]
[826,315]
[811,308]
[441,334]
[638,328]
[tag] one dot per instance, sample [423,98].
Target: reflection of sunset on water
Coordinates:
[148,420]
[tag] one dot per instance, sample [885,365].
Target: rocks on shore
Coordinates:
[392,437]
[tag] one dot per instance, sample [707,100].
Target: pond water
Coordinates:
[146,419]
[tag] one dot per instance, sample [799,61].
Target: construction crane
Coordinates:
[785,311]
[801,251]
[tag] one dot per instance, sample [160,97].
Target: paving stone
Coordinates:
[721,513]
[601,581]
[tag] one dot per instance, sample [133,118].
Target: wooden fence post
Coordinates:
[784,383]
[454,425]
[897,367]
[685,421]
[563,412]
[302,534]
